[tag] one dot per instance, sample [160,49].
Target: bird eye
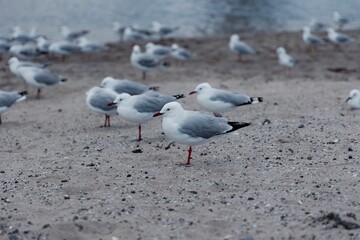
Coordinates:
[168,109]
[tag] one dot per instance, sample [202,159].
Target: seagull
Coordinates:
[310,38]
[42,44]
[19,36]
[193,128]
[180,53]
[145,61]
[119,29]
[14,63]
[98,98]
[131,35]
[315,25]
[285,59]
[90,46]
[23,51]
[38,77]
[339,21]
[63,48]
[7,99]
[239,47]
[161,30]
[72,36]
[354,99]
[158,50]
[141,108]
[126,86]
[338,38]
[220,101]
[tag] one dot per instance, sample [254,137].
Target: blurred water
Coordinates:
[196,17]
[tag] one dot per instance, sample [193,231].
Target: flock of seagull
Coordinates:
[138,103]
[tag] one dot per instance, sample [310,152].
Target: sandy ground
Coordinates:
[65,177]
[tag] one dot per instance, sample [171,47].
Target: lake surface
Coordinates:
[195,17]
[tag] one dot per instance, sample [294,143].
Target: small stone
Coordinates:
[66,197]
[266,121]
[349,149]
[301,126]
[250,199]
[137,150]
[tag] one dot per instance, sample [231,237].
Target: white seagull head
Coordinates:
[201,88]
[121,97]
[280,51]
[171,109]
[234,37]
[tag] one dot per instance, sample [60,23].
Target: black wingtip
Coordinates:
[237,125]
[63,80]
[23,93]
[154,88]
[178,96]
[256,99]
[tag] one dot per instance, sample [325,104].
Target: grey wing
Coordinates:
[162,51]
[69,48]
[47,78]
[232,98]
[342,38]
[204,126]
[149,61]
[101,100]
[243,48]
[185,54]
[8,98]
[315,40]
[152,103]
[130,87]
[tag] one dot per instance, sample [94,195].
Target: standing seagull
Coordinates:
[220,101]
[39,77]
[338,38]
[7,99]
[193,128]
[339,20]
[240,47]
[285,59]
[144,61]
[354,99]
[161,30]
[126,86]
[63,48]
[159,51]
[88,46]
[141,108]
[180,53]
[98,99]
[309,38]
[72,35]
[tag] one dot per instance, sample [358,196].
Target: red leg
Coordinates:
[143,75]
[139,139]
[107,121]
[239,58]
[189,157]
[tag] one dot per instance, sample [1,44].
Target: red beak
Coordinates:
[157,114]
[192,92]
[111,104]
